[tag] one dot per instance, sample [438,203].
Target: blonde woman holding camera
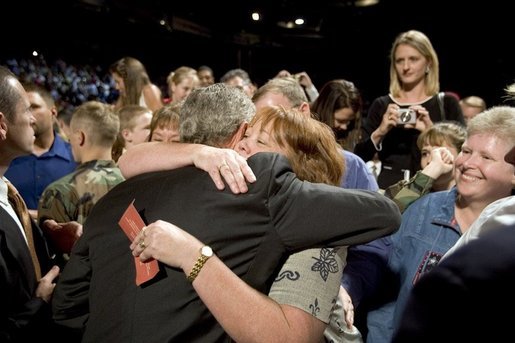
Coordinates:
[413,104]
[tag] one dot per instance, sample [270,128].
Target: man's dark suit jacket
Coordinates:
[468,297]
[250,232]
[22,314]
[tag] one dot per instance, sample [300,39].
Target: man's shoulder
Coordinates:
[62,148]
[434,201]
[353,159]
[268,161]
[98,172]
[19,162]
[61,184]
[469,259]
[158,179]
[357,175]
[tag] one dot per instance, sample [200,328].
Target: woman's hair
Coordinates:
[180,74]
[442,132]
[422,44]
[498,121]
[474,101]
[134,77]
[334,96]
[166,116]
[310,145]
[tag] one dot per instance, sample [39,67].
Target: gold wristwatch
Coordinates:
[205,253]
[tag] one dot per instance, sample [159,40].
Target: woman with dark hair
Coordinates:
[339,105]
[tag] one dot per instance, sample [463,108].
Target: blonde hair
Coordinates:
[422,44]
[474,101]
[310,145]
[180,74]
[498,121]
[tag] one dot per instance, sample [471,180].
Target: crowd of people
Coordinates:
[262,219]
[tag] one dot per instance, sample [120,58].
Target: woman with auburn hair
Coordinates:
[309,144]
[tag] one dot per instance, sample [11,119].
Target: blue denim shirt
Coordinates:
[428,229]
[31,174]
[357,175]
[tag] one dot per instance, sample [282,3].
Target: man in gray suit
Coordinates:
[251,233]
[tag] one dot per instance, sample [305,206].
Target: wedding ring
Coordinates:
[223,165]
[143,230]
[142,244]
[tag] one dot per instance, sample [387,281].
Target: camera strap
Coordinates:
[440,98]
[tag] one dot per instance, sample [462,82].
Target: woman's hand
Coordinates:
[348,307]
[388,122]
[424,121]
[168,244]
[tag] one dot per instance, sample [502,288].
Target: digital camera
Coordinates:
[407,116]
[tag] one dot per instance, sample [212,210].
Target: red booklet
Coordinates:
[132,223]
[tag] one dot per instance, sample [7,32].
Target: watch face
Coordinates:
[206,251]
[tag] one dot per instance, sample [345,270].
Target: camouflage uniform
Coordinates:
[72,196]
[405,192]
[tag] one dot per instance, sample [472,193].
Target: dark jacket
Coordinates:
[250,232]
[23,316]
[399,147]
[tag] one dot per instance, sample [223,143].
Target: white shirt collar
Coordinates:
[3,192]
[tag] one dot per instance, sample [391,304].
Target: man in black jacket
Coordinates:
[250,232]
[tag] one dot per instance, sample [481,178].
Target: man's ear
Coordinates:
[54,111]
[3,126]
[238,135]
[126,134]
[305,109]
[82,137]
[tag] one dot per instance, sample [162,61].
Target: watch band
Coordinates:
[205,253]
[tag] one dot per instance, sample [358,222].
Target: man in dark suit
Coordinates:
[468,296]
[251,233]
[25,311]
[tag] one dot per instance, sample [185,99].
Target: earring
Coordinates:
[427,70]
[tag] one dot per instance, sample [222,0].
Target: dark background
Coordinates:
[339,40]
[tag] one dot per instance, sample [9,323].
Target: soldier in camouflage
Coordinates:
[94,127]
